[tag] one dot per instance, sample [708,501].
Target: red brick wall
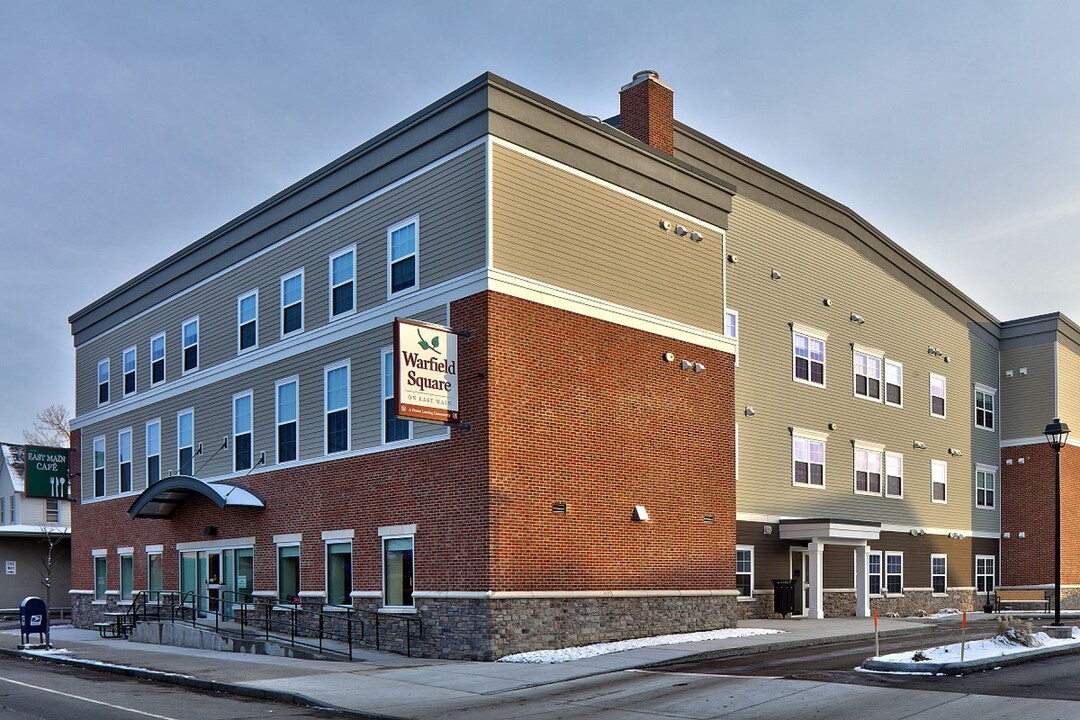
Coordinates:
[646,112]
[1027,505]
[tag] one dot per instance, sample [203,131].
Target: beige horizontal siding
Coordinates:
[1068,385]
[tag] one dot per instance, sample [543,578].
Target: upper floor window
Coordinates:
[938,481]
[336,381]
[894,475]
[124,459]
[157,359]
[292,302]
[52,510]
[247,321]
[937,396]
[894,383]
[808,459]
[190,332]
[287,419]
[744,570]
[403,255]
[185,442]
[129,371]
[867,470]
[809,352]
[984,407]
[393,429]
[731,322]
[153,452]
[985,486]
[242,451]
[342,282]
[99,467]
[103,382]
[867,375]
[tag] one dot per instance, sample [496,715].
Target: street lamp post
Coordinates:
[1057,433]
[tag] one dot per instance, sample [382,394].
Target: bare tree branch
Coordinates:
[50,428]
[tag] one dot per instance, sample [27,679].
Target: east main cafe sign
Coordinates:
[425,372]
[47,472]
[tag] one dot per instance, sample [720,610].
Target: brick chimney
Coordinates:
[647,111]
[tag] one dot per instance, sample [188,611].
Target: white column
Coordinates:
[816,611]
[862,583]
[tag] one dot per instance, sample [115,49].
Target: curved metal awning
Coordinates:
[162,498]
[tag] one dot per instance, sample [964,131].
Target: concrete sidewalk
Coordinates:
[380,684]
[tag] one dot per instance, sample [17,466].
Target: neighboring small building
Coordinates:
[26,525]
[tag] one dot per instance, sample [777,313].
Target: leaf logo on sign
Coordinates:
[433,345]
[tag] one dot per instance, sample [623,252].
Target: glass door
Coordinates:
[800,573]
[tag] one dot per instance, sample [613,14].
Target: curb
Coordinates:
[969,666]
[191,681]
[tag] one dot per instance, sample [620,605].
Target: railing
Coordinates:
[272,620]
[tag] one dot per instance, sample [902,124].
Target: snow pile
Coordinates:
[994,647]
[587,651]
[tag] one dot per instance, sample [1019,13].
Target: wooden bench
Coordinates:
[1012,597]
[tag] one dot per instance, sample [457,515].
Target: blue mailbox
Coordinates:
[34,618]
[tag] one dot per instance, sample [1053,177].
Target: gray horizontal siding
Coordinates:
[450,202]
[1028,400]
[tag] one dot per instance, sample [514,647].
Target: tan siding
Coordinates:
[561,229]
[1068,386]
[1027,401]
[902,324]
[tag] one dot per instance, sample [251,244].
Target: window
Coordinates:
[190,333]
[401,240]
[984,407]
[984,574]
[157,359]
[809,357]
[103,382]
[744,570]
[894,383]
[287,423]
[247,321]
[342,275]
[938,481]
[336,381]
[153,452]
[292,303]
[129,371]
[185,442]
[985,485]
[393,429]
[938,565]
[808,456]
[52,510]
[153,575]
[867,375]
[3,511]
[127,577]
[873,571]
[288,573]
[937,396]
[338,573]
[867,470]
[894,572]
[397,571]
[124,459]
[731,323]
[99,467]
[101,566]
[242,451]
[894,475]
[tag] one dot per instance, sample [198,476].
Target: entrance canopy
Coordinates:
[829,530]
[161,499]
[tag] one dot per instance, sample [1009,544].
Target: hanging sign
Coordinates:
[425,372]
[47,472]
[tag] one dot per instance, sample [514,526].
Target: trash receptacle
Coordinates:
[783,596]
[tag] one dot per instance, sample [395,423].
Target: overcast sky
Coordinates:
[130,129]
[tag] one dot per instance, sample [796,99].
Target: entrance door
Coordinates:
[213,581]
[800,573]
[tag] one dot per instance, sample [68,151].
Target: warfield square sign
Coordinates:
[425,372]
[47,472]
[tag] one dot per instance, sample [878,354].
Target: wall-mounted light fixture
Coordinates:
[917,532]
[1023,371]
[1021,535]
[766,530]
[669,357]
[733,259]
[640,513]
[857,318]
[686,364]
[665,225]
[1020,461]
[680,230]
[955,453]
[934,351]
[827,302]
[699,367]
[775,274]
[696,236]
[833,426]
[749,411]
[918,445]
[1009,461]
[1006,535]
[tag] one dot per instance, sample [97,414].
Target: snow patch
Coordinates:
[587,651]
[994,647]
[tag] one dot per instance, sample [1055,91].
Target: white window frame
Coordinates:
[240,323]
[130,558]
[870,453]
[943,481]
[897,457]
[390,261]
[346,364]
[52,510]
[731,329]
[150,555]
[184,345]
[990,392]
[327,542]
[886,574]
[880,574]
[100,441]
[277,568]
[106,383]
[387,393]
[991,471]
[992,574]
[101,558]
[153,361]
[749,549]
[944,574]
[134,372]
[810,334]
[295,381]
[867,355]
[383,539]
[944,394]
[809,436]
[330,279]
[179,447]
[885,395]
[120,462]
[284,279]
[148,454]
[246,394]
